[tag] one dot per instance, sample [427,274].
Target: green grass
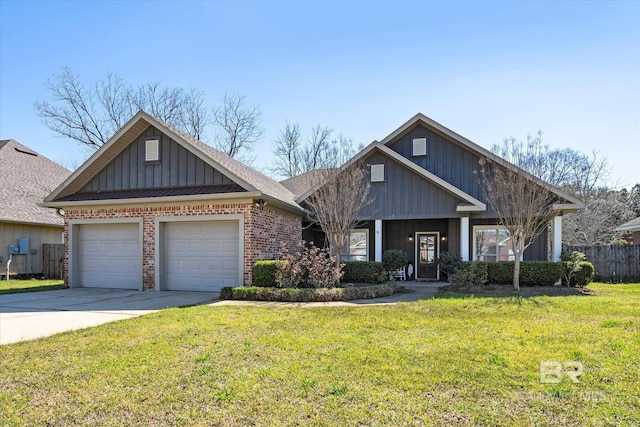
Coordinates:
[33,285]
[446,361]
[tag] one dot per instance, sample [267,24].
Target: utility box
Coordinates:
[23,243]
[14,249]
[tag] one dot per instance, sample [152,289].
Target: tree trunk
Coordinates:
[516,273]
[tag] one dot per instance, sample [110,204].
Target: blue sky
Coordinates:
[487,70]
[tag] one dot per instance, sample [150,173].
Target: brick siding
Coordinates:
[265,230]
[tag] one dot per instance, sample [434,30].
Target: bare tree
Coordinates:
[92,114]
[524,203]
[339,196]
[320,151]
[316,153]
[580,175]
[238,126]
[595,225]
[288,151]
[195,116]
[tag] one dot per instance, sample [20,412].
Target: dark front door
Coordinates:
[427,252]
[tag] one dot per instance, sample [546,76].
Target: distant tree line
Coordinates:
[583,176]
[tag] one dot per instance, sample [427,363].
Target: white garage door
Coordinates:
[109,256]
[201,256]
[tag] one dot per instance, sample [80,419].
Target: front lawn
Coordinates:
[445,361]
[32,285]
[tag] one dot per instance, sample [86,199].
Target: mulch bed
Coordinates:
[525,291]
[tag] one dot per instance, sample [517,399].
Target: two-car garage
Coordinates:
[190,254]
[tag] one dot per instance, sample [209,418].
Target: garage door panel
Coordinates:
[109,256]
[201,256]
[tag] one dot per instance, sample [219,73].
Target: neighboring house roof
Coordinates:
[247,178]
[26,178]
[633,225]
[574,203]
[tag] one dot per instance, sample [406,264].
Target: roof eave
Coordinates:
[39,224]
[472,208]
[567,207]
[148,200]
[628,228]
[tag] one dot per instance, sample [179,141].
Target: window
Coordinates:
[357,248]
[491,243]
[420,147]
[377,173]
[152,150]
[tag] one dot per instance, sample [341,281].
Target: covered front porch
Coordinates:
[424,239]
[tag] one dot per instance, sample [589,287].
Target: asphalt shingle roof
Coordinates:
[26,178]
[260,182]
[302,183]
[632,223]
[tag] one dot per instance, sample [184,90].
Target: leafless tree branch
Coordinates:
[239,127]
[336,204]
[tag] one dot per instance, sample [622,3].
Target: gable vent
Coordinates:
[152,151]
[420,147]
[377,173]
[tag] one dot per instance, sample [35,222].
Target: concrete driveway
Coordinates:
[32,315]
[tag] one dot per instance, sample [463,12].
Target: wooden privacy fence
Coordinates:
[612,263]
[52,259]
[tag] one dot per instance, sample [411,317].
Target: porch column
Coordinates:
[556,238]
[464,238]
[378,240]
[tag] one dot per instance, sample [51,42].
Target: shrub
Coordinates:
[394,259]
[307,267]
[364,272]
[450,263]
[473,274]
[583,277]
[264,273]
[254,293]
[540,273]
[500,273]
[571,265]
[532,273]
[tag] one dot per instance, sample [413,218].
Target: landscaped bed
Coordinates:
[456,360]
[31,285]
[353,292]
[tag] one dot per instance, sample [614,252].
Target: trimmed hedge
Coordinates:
[472,274]
[264,273]
[583,277]
[532,273]
[364,272]
[255,293]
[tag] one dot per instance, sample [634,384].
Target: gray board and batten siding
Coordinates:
[177,167]
[450,161]
[404,194]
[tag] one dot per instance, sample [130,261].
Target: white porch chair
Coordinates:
[397,274]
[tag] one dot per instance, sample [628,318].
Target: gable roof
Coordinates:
[470,203]
[574,203]
[26,178]
[632,225]
[249,179]
[299,184]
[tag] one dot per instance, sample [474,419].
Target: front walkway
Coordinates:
[413,291]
